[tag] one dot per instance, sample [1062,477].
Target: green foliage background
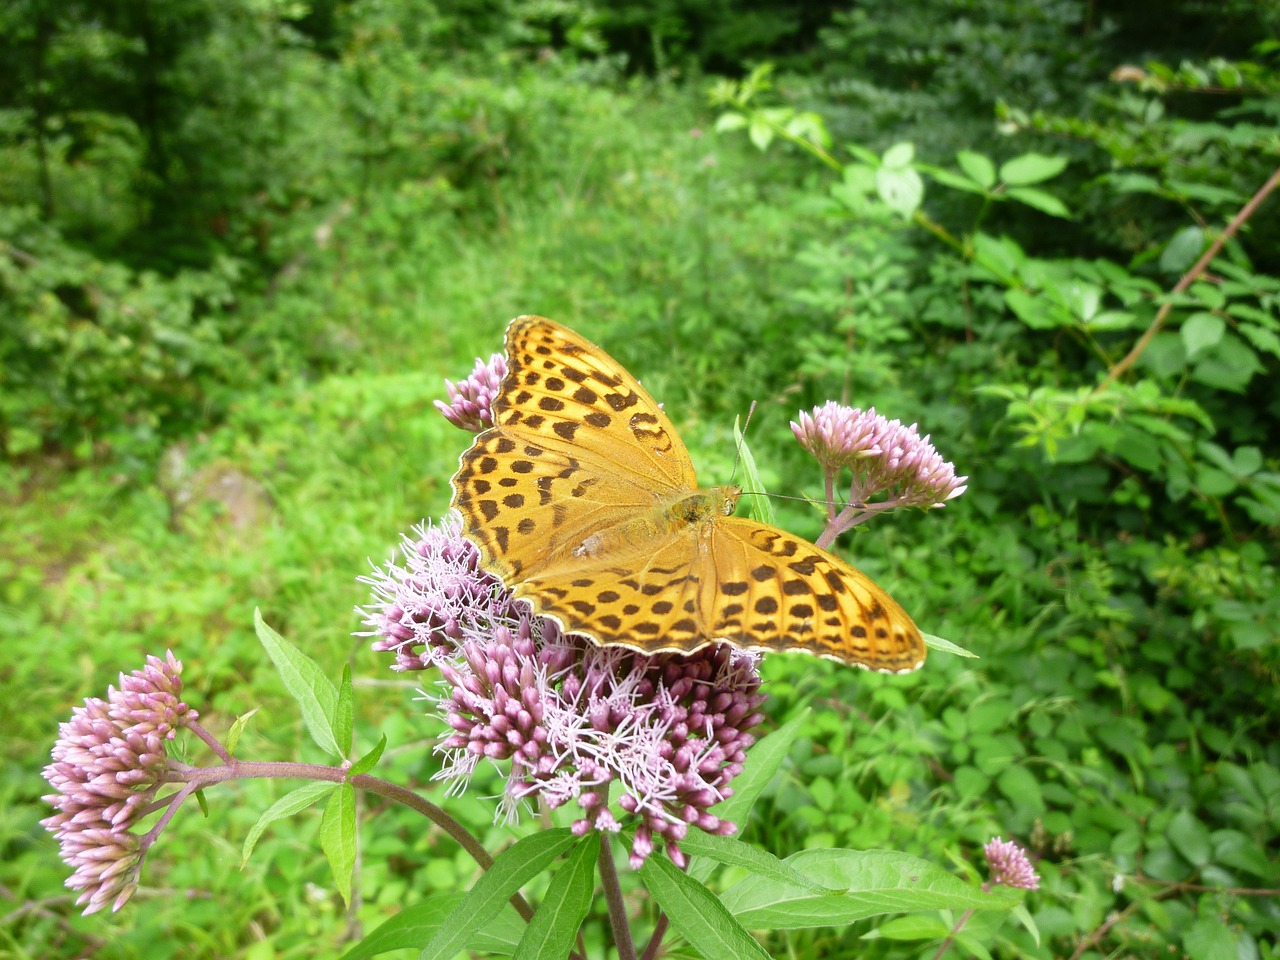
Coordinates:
[243,241]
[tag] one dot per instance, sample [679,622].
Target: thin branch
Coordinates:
[617,906]
[1189,278]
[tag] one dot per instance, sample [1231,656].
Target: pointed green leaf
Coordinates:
[902,190]
[237,728]
[739,854]
[946,646]
[291,803]
[1031,168]
[344,716]
[761,505]
[554,927]
[514,868]
[1200,331]
[306,683]
[763,761]
[978,167]
[370,759]
[696,914]
[415,925]
[876,881]
[1039,200]
[899,156]
[338,837]
[1190,838]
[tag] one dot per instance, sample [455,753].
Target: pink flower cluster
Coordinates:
[470,403]
[108,762]
[569,720]
[884,455]
[1010,866]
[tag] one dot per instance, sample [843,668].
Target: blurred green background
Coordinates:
[243,241]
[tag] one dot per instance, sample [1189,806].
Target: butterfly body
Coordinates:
[584,502]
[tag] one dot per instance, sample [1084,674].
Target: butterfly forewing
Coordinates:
[570,499]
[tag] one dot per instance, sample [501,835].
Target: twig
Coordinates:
[1189,278]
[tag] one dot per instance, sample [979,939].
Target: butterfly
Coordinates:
[583,501]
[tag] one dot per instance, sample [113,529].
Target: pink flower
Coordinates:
[1009,865]
[884,456]
[470,403]
[567,719]
[108,763]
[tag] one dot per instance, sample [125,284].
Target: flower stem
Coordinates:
[617,907]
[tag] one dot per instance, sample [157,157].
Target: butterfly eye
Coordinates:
[728,506]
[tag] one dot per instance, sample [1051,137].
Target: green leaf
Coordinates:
[949,178]
[978,167]
[291,803]
[338,837]
[370,759]
[1190,838]
[306,683]
[732,851]
[514,868]
[876,882]
[918,926]
[1031,168]
[1039,200]
[1209,939]
[727,122]
[761,505]
[899,156]
[763,761]
[237,728]
[343,720]
[1022,789]
[1200,331]
[1183,250]
[946,646]
[418,923]
[901,190]
[696,914]
[761,134]
[553,928]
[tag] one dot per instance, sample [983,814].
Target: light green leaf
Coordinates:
[338,837]
[759,862]
[237,728]
[1190,838]
[1182,250]
[370,759]
[763,761]
[1022,788]
[978,167]
[901,190]
[514,868]
[1039,200]
[1209,939]
[1200,331]
[761,134]
[899,156]
[761,505]
[344,716]
[291,803]
[418,923]
[946,646]
[877,882]
[696,914]
[727,122]
[916,926]
[315,694]
[554,927]
[1031,168]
